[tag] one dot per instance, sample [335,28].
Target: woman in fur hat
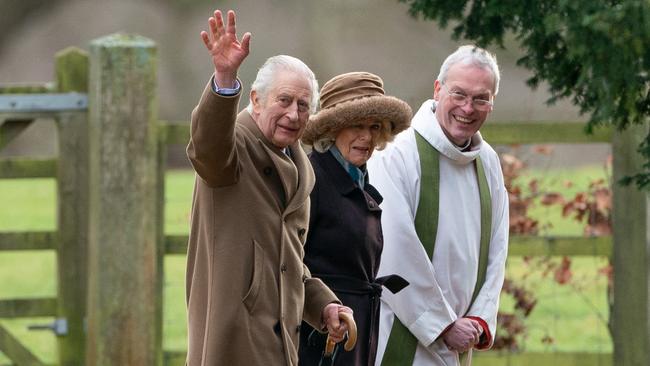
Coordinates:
[344,244]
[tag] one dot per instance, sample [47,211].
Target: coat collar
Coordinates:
[297,167]
[340,178]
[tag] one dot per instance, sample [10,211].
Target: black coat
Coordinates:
[343,248]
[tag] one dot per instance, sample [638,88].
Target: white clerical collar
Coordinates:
[464,148]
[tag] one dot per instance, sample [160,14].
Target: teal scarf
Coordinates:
[357,174]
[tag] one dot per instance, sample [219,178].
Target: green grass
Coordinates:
[573,315]
[24,275]
[570,315]
[28,204]
[178,201]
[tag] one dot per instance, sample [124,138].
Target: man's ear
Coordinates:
[436,90]
[255,101]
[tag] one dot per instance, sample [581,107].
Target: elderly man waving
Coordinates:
[247,287]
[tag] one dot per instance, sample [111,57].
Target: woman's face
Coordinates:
[357,142]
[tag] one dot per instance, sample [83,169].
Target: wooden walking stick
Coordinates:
[352,335]
[468,361]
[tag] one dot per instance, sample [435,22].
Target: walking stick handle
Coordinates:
[352,335]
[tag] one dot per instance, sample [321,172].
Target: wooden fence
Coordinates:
[110,243]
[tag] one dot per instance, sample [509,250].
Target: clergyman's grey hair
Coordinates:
[471,55]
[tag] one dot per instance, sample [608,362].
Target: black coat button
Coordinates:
[301,231]
[283,267]
[276,328]
[268,170]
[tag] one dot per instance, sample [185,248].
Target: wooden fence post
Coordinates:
[72,217]
[631,222]
[124,292]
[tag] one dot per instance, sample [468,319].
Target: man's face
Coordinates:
[460,123]
[282,116]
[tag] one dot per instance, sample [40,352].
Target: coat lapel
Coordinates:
[286,170]
[295,173]
[306,178]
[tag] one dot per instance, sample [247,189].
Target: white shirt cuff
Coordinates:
[225,91]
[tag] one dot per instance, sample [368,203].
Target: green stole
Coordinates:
[401,346]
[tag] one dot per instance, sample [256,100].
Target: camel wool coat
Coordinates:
[247,288]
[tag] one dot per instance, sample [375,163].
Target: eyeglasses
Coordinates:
[461,100]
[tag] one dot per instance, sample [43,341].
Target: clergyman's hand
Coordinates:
[226,50]
[463,335]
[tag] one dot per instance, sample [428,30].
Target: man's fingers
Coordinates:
[219,28]
[477,326]
[212,26]
[342,328]
[231,28]
[336,338]
[478,330]
[206,40]
[245,42]
[334,322]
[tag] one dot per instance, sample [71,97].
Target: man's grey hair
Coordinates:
[471,55]
[273,65]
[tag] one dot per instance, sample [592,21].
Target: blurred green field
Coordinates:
[574,316]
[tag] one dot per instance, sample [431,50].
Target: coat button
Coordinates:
[276,328]
[301,231]
[283,267]
[268,170]
[371,204]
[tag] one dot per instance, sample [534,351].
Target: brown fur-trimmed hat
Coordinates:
[348,98]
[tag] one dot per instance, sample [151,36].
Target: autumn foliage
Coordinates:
[592,207]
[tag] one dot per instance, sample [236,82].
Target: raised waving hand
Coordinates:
[226,50]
